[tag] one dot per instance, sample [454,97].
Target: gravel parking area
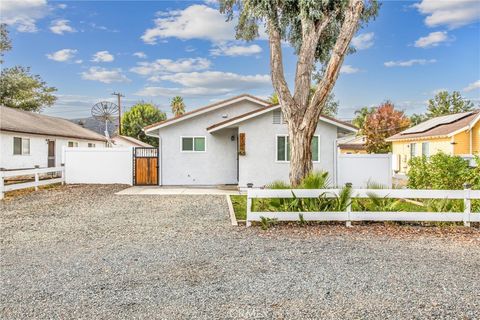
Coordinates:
[84,252]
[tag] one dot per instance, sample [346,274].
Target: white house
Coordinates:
[126,141]
[29,139]
[237,141]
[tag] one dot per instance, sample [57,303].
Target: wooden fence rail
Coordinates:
[348,215]
[31,184]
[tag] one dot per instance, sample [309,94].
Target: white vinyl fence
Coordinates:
[98,165]
[348,215]
[361,169]
[40,176]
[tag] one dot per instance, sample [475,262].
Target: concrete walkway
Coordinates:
[153,190]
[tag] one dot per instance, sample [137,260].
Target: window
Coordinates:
[91,145]
[283,148]
[426,149]
[72,144]
[278,117]
[413,150]
[195,144]
[21,146]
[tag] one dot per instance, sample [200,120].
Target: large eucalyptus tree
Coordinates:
[320,31]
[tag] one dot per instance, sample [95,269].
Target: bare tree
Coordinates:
[320,31]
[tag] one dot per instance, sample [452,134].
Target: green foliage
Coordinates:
[442,171]
[417,118]
[285,15]
[266,223]
[178,106]
[330,108]
[361,116]
[315,180]
[5,43]
[444,103]
[301,220]
[22,90]
[139,116]
[239,203]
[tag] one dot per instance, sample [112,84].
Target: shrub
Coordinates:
[442,171]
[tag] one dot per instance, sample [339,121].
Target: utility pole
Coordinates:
[119,95]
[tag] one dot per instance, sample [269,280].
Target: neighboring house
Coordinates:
[126,141]
[455,134]
[29,139]
[237,141]
[352,144]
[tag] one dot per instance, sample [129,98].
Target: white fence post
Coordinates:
[467,205]
[62,173]
[249,209]
[2,184]
[348,223]
[36,178]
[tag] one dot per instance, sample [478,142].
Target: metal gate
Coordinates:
[145,166]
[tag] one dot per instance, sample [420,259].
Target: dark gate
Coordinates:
[145,166]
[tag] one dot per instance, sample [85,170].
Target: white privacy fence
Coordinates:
[41,177]
[98,165]
[348,215]
[361,169]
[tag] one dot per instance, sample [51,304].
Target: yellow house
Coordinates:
[352,144]
[455,134]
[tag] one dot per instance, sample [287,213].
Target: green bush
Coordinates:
[442,171]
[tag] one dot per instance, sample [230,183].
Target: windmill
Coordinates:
[105,111]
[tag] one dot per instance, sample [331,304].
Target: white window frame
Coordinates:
[22,139]
[192,151]
[413,154]
[287,161]
[75,144]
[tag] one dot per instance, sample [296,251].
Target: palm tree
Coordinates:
[178,106]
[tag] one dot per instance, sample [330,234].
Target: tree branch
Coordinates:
[325,86]
[276,66]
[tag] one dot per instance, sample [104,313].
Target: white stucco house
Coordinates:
[237,141]
[119,141]
[29,139]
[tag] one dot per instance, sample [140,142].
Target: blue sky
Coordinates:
[154,50]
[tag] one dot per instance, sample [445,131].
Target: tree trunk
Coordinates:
[300,152]
[302,115]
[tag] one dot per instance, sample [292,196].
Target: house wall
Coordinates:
[352,151]
[461,143]
[476,139]
[217,165]
[38,150]
[401,149]
[259,165]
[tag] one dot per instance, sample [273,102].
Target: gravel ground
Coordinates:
[83,252]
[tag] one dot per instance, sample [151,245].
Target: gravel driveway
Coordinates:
[84,252]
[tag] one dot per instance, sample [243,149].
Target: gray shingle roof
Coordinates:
[15,120]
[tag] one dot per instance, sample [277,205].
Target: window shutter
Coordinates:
[277,116]
[241,144]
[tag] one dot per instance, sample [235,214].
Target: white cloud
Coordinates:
[235,50]
[363,41]
[62,6]
[23,14]
[472,86]
[432,40]
[208,83]
[194,22]
[61,26]
[104,75]
[162,66]
[140,55]
[348,69]
[103,56]
[63,55]
[409,63]
[453,14]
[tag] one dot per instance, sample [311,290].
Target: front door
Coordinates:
[145,164]
[51,153]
